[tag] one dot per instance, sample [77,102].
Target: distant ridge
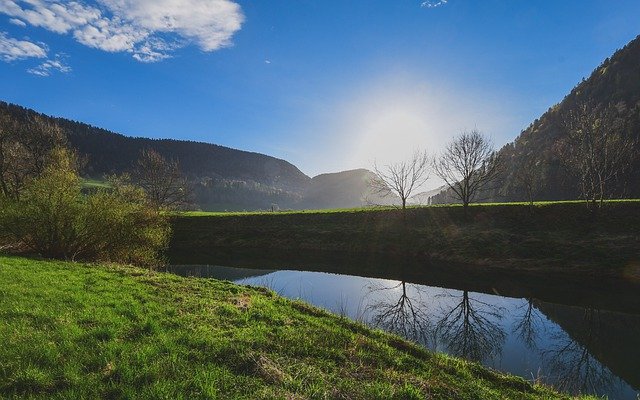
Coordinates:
[343,189]
[109,152]
[223,178]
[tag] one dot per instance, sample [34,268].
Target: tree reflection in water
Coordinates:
[527,324]
[571,364]
[471,328]
[401,311]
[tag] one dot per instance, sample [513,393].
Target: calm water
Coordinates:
[576,349]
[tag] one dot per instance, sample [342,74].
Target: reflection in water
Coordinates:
[560,345]
[471,328]
[394,310]
[527,324]
[571,363]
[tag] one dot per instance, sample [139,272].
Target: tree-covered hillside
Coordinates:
[108,153]
[222,178]
[615,83]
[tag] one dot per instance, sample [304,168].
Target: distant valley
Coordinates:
[228,179]
[222,178]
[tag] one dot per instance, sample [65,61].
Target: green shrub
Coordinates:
[55,219]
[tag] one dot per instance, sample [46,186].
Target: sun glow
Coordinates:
[386,121]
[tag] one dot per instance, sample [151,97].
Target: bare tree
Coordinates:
[597,149]
[162,180]
[467,165]
[402,178]
[528,177]
[573,366]
[25,148]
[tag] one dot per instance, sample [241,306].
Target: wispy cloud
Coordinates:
[433,4]
[18,22]
[12,49]
[150,30]
[47,67]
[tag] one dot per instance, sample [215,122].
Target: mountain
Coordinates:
[423,198]
[615,82]
[344,189]
[223,178]
[112,153]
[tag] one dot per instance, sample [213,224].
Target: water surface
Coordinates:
[578,349]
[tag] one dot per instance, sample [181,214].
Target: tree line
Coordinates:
[597,151]
[45,209]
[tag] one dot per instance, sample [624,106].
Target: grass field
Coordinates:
[550,237]
[94,184]
[97,331]
[536,204]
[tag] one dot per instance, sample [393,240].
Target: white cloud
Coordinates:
[18,22]
[14,49]
[112,37]
[48,66]
[148,29]
[433,4]
[209,23]
[56,17]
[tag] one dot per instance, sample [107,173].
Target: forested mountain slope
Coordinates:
[616,82]
[108,152]
[222,178]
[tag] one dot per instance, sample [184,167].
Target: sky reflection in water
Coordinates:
[561,345]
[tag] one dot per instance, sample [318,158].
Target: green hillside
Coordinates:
[98,331]
[615,82]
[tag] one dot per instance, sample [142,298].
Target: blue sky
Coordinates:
[327,85]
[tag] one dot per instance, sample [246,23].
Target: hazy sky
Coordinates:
[327,84]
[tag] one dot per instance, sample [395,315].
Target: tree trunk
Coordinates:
[601,193]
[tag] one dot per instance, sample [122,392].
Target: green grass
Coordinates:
[388,208]
[88,183]
[97,331]
[562,237]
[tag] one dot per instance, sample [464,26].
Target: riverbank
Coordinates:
[108,331]
[563,238]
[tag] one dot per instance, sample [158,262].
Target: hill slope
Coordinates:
[617,82]
[122,332]
[223,178]
[108,152]
[344,189]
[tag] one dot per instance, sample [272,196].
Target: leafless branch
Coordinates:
[403,178]
[467,165]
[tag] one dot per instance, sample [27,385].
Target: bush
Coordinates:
[55,219]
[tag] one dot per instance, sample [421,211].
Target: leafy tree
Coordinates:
[55,219]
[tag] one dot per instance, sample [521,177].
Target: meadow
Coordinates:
[112,331]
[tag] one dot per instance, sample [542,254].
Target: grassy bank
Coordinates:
[559,236]
[94,331]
